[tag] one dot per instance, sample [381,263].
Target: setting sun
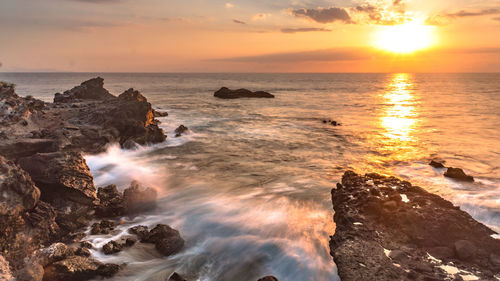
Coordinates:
[405,38]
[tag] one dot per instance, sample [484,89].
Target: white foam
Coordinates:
[404,198]
[358,223]
[387,252]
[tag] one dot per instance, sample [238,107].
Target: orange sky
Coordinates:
[244,35]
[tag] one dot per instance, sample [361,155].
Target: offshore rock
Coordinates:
[225,93]
[180,130]
[414,237]
[458,174]
[436,164]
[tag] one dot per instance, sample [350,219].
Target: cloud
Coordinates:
[260,16]
[324,15]
[445,18]
[383,15]
[239,21]
[304,29]
[229,5]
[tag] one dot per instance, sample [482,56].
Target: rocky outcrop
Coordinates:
[89,90]
[225,93]
[166,239]
[388,229]
[180,130]
[436,164]
[458,174]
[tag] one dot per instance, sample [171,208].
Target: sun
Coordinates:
[405,38]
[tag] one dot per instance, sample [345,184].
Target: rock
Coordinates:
[157,113]
[225,93]
[166,239]
[137,199]
[53,253]
[437,165]
[427,224]
[108,270]
[61,175]
[130,145]
[86,244]
[74,268]
[495,259]
[110,202]
[103,227]
[176,277]
[32,272]
[180,130]
[5,272]
[112,247]
[458,174]
[464,249]
[268,278]
[92,89]
[129,242]
[141,231]
[83,251]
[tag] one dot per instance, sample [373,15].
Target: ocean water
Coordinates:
[249,186]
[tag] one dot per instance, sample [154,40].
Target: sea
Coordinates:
[248,186]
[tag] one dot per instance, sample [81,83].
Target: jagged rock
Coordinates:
[83,251]
[86,244]
[225,93]
[89,90]
[108,270]
[425,224]
[53,253]
[137,199]
[141,231]
[110,202]
[268,278]
[176,277]
[112,247]
[103,227]
[61,175]
[180,130]
[166,239]
[157,113]
[436,164]
[458,174]
[74,268]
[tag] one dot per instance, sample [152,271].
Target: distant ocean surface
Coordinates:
[249,186]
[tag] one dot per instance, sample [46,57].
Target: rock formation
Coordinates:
[388,229]
[225,93]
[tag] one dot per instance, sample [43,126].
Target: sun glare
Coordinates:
[405,38]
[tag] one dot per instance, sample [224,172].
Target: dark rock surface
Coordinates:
[176,277]
[225,93]
[136,199]
[92,89]
[388,229]
[268,278]
[436,164]
[180,130]
[166,239]
[458,174]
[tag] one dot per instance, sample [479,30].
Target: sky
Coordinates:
[250,35]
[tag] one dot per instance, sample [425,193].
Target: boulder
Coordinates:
[108,270]
[74,268]
[464,249]
[157,113]
[61,175]
[436,164]
[136,199]
[458,174]
[166,239]
[141,231]
[110,202]
[180,130]
[225,93]
[112,247]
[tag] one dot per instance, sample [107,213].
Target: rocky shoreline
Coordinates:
[388,229]
[48,197]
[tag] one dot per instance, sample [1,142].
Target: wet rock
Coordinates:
[130,145]
[458,174]
[225,93]
[268,278]
[158,113]
[166,239]
[110,202]
[112,247]
[465,249]
[92,89]
[427,224]
[129,242]
[103,227]
[141,231]
[74,268]
[82,251]
[436,164]
[86,244]
[137,199]
[180,130]
[176,277]
[108,270]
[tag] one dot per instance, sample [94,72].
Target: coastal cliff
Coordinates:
[388,229]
